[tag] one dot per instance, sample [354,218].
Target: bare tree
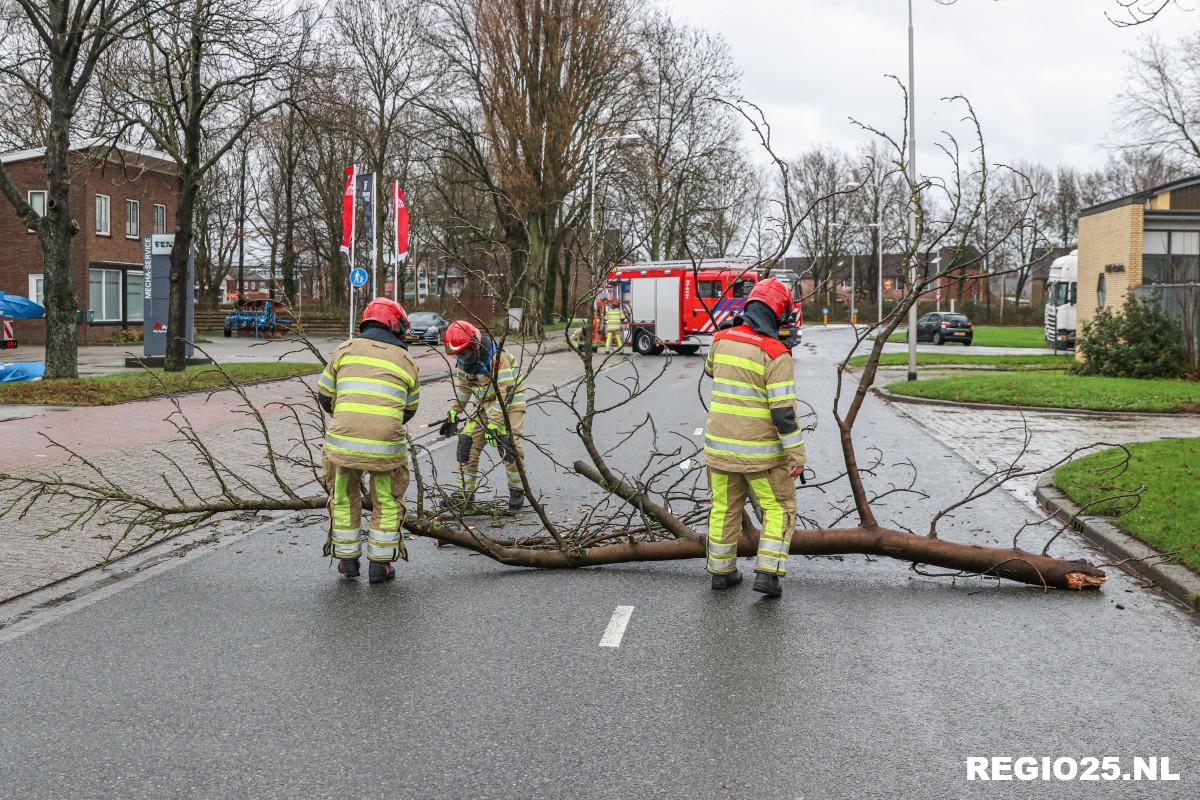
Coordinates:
[49,54]
[686,164]
[549,79]
[201,74]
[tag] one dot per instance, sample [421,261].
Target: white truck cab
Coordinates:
[1061,290]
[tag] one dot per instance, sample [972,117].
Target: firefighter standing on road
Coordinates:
[614,322]
[753,442]
[371,388]
[482,369]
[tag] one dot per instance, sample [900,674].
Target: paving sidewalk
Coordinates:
[121,440]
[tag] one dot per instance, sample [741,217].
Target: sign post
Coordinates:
[358,278]
[156,274]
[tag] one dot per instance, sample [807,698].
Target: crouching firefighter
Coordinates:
[371,388]
[753,443]
[481,370]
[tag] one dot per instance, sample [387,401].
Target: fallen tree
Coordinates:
[642,516]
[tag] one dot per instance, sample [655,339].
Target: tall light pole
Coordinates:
[914,201]
[592,191]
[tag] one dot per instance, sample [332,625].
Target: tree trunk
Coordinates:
[56,233]
[180,287]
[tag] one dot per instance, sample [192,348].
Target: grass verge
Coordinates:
[1047,389]
[997,336]
[1168,516]
[1032,361]
[137,384]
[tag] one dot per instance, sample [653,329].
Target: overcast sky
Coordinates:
[1042,74]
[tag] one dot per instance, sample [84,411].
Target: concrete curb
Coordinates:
[1137,558]
[892,397]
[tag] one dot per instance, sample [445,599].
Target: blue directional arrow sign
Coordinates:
[358,277]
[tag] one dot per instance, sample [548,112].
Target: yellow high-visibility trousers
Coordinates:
[776,496]
[469,452]
[614,333]
[384,542]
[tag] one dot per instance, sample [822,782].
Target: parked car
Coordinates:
[940,327]
[426,327]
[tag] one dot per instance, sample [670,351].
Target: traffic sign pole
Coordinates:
[358,277]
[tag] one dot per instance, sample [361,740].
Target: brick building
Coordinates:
[965,284]
[117,196]
[1144,243]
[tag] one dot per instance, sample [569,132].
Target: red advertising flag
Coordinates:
[401,217]
[348,211]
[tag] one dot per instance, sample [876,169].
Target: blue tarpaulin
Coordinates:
[17,307]
[21,371]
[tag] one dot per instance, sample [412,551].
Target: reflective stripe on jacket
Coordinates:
[477,386]
[752,374]
[372,385]
[613,318]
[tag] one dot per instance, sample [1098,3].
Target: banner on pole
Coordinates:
[366,190]
[400,210]
[348,212]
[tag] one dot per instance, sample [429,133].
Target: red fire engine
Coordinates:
[674,304]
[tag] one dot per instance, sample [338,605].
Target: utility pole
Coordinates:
[914,201]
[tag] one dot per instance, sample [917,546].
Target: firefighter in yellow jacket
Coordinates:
[481,370]
[371,388]
[753,442]
[614,322]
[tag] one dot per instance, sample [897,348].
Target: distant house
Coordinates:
[965,284]
[117,196]
[1144,243]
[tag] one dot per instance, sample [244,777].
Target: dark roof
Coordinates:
[1142,196]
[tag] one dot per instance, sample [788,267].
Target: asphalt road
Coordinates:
[253,672]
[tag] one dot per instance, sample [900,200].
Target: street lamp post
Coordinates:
[915,200]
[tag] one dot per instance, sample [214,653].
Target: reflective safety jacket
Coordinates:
[374,390]
[613,318]
[752,423]
[473,382]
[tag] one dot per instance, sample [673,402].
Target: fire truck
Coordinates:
[680,305]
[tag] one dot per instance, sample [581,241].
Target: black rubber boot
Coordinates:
[348,567]
[768,584]
[724,581]
[516,499]
[381,571]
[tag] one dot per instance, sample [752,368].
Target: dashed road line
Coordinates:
[616,627]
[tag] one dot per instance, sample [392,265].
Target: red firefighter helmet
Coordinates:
[386,312]
[461,335]
[774,294]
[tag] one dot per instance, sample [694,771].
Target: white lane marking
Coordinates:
[616,627]
[698,431]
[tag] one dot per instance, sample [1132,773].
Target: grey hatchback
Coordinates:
[940,327]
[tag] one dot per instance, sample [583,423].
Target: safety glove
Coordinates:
[450,426]
[492,433]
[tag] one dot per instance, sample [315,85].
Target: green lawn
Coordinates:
[1168,516]
[137,384]
[1031,361]
[1060,390]
[997,336]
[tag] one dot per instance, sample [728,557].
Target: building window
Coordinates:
[104,294]
[133,222]
[135,296]
[102,216]
[1170,257]
[1101,292]
[37,289]
[160,219]
[37,201]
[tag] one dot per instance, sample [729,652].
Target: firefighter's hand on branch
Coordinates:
[450,426]
[796,472]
